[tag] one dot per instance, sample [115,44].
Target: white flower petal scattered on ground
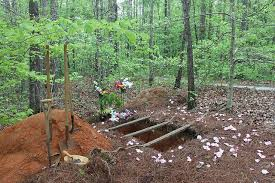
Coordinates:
[204,140]
[247,140]
[189,159]
[261,155]
[172,151]
[251,169]
[219,153]
[239,134]
[216,139]
[173,156]
[228,145]
[129,154]
[106,130]
[229,119]
[162,161]
[257,160]
[199,137]
[271,163]
[180,147]
[214,144]
[130,143]
[208,165]
[230,128]
[137,158]
[170,161]
[200,164]
[264,171]
[234,137]
[247,136]
[139,151]
[267,143]
[102,123]
[208,144]
[94,126]
[260,151]
[206,147]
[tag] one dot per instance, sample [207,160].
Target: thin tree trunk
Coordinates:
[44,4]
[191,101]
[210,20]
[166,27]
[54,7]
[180,69]
[244,22]
[203,20]
[151,44]
[35,65]
[194,22]
[231,56]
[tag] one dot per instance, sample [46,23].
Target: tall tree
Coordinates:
[151,44]
[231,56]
[191,99]
[35,65]
[210,10]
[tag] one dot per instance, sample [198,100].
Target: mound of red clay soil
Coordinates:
[23,149]
[155,98]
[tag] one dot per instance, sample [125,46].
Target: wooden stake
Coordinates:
[66,90]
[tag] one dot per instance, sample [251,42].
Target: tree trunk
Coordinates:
[180,70]
[151,44]
[143,12]
[191,101]
[35,65]
[194,22]
[231,56]
[166,27]
[244,22]
[210,20]
[44,4]
[203,20]
[54,6]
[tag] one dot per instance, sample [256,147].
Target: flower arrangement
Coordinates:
[123,84]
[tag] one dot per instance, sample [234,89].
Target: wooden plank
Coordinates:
[172,133]
[148,129]
[129,123]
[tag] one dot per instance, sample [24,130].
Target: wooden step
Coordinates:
[129,123]
[168,135]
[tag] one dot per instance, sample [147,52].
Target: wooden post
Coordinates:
[48,89]
[66,99]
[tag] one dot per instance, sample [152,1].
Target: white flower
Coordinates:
[257,160]
[189,159]
[137,158]
[204,140]
[180,147]
[170,161]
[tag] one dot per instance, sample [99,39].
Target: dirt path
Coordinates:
[258,88]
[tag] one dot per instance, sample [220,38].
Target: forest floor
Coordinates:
[219,147]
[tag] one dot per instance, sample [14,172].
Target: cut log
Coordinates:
[129,123]
[168,135]
[148,129]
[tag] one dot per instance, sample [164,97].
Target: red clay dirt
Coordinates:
[23,148]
